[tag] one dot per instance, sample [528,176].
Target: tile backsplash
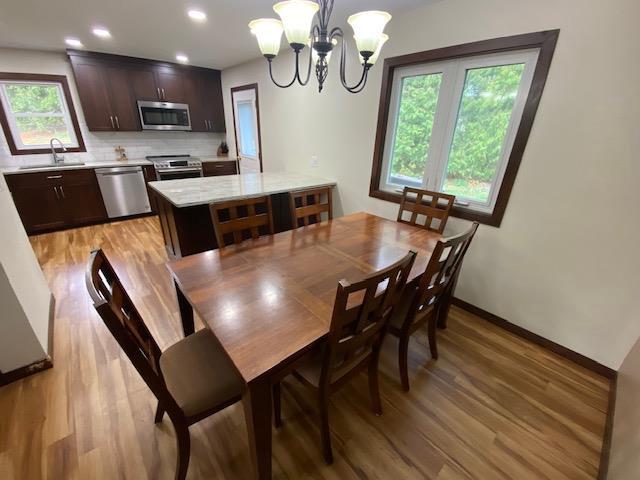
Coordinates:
[101,145]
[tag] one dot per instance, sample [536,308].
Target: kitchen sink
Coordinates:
[51,165]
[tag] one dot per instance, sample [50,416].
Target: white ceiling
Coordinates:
[156,29]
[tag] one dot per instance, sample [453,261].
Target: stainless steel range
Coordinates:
[172,167]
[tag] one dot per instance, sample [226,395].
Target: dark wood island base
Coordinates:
[189,230]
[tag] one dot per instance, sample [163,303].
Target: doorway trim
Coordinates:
[250,86]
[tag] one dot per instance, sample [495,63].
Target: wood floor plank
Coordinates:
[494,406]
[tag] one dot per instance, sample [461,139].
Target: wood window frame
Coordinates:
[545,41]
[34,77]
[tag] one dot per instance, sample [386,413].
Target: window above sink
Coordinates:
[36,108]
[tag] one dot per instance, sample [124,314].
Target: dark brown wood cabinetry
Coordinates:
[110,85]
[213,169]
[57,199]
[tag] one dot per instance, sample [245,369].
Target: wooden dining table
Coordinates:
[269,300]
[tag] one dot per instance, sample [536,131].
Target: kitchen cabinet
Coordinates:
[205,101]
[109,87]
[106,98]
[94,97]
[223,167]
[150,176]
[57,199]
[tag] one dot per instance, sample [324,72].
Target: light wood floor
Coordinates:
[492,407]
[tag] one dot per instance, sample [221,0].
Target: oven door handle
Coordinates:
[178,170]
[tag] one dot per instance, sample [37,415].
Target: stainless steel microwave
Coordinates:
[164,115]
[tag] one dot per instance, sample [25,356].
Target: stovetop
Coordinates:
[174,161]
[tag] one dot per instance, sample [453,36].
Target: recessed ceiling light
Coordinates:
[73,42]
[182,58]
[197,15]
[101,32]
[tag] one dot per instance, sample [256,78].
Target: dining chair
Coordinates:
[192,379]
[241,219]
[421,304]
[307,206]
[360,315]
[433,206]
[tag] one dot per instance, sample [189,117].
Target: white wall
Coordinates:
[100,145]
[624,462]
[564,262]
[24,293]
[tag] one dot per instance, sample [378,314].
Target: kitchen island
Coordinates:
[183,205]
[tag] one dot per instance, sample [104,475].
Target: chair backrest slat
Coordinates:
[125,323]
[360,315]
[249,217]
[435,208]
[440,273]
[307,206]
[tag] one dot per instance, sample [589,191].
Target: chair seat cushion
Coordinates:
[310,371]
[199,374]
[402,309]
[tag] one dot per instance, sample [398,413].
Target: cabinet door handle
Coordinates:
[62,191]
[112,124]
[158,90]
[211,125]
[164,97]
[206,127]
[54,177]
[117,122]
[55,189]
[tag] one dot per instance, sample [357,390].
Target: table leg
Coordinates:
[186,312]
[257,413]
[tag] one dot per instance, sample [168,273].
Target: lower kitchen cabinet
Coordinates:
[39,207]
[57,199]
[223,167]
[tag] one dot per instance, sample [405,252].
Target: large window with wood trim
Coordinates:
[35,109]
[455,122]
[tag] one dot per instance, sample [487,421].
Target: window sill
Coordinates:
[493,219]
[37,151]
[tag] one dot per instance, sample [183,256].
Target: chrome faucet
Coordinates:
[57,158]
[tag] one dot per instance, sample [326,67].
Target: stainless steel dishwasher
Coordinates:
[124,191]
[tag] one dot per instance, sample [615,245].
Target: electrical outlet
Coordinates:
[315,163]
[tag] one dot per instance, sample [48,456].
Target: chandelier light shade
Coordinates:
[296,16]
[268,32]
[373,58]
[368,28]
[297,22]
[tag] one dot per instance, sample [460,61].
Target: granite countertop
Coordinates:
[201,191]
[113,163]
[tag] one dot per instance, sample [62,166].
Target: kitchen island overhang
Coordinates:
[183,205]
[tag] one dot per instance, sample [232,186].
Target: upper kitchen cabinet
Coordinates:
[158,84]
[204,96]
[110,86]
[105,95]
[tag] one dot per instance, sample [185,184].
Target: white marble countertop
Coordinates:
[201,191]
[48,168]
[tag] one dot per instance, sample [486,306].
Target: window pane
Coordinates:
[29,98]
[40,130]
[418,100]
[487,101]
[247,129]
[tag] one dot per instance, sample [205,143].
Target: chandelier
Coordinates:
[296,21]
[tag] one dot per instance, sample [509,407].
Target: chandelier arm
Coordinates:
[295,75]
[308,68]
[358,87]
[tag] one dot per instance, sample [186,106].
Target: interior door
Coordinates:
[246,122]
